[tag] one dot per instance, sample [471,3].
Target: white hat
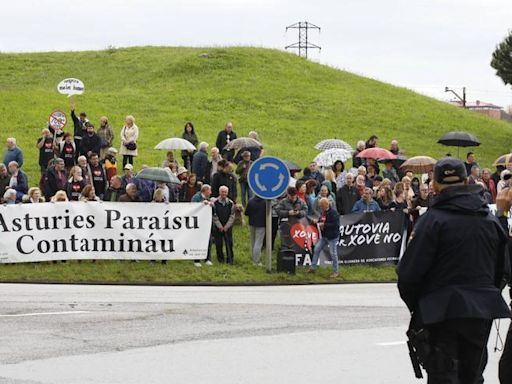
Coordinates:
[182,170]
[128,166]
[112,150]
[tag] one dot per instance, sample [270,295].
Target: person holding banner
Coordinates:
[18,181]
[366,203]
[223,220]
[329,227]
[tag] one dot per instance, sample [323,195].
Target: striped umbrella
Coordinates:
[503,160]
[330,156]
[333,143]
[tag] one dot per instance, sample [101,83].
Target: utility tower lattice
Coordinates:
[303,44]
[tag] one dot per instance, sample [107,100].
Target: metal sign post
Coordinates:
[268,178]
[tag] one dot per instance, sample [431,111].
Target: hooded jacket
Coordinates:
[455,264]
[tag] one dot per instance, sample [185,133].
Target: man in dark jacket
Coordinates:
[4,179]
[255,210]
[503,205]
[55,180]
[79,124]
[18,180]
[347,196]
[91,142]
[131,195]
[97,175]
[200,162]
[224,138]
[223,220]
[224,176]
[291,205]
[451,277]
[115,190]
[329,225]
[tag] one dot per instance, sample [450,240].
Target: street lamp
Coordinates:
[462,99]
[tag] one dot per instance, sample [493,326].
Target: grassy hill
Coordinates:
[291,102]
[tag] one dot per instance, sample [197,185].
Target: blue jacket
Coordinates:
[361,206]
[13,155]
[199,165]
[256,212]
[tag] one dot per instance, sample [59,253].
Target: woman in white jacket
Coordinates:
[129,137]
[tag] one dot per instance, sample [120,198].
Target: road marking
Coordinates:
[391,343]
[44,314]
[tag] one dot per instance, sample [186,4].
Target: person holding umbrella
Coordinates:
[224,137]
[470,162]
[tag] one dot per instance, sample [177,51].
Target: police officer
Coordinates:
[451,277]
[503,204]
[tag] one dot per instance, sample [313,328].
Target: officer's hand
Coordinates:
[504,200]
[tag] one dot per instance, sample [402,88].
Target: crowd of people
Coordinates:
[82,166]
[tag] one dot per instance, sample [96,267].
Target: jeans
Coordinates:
[333,249]
[246,192]
[257,237]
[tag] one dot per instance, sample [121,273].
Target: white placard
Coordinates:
[71,87]
[96,230]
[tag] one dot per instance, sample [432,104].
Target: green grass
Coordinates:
[292,103]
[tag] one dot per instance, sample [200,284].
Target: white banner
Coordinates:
[80,230]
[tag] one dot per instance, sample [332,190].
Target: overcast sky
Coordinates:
[424,45]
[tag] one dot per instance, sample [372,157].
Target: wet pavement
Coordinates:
[288,334]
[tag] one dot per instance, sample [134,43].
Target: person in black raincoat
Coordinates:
[451,277]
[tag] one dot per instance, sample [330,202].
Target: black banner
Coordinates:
[369,238]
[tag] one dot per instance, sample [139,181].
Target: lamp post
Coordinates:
[462,99]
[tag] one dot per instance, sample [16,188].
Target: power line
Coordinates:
[303,44]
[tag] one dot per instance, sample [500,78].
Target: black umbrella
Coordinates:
[292,167]
[459,139]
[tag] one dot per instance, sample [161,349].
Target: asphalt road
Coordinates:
[302,334]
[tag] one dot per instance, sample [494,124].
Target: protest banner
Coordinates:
[369,238]
[71,87]
[96,230]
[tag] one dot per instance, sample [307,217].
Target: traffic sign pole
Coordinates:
[268,234]
[268,178]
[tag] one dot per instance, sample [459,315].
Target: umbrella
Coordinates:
[419,164]
[330,156]
[503,160]
[377,154]
[243,142]
[333,143]
[175,143]
[158,174]
[459,139]
[292,167]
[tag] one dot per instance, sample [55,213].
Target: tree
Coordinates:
[502,59]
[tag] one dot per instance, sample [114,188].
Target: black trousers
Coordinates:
[127,159]
[505,368]
[220,239]
[458,351]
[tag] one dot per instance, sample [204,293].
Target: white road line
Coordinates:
[391,343]
[44,314]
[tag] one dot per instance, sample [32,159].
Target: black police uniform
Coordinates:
[505,366]
[451,277]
